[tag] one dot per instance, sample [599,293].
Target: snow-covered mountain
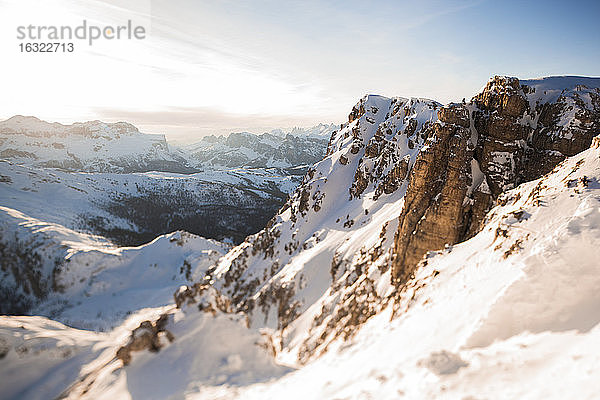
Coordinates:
[96,146]
[435,252]
[87,282]
[278,148]
[402,177]
[92,146]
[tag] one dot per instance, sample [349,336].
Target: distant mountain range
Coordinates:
[120,147]
[275,149]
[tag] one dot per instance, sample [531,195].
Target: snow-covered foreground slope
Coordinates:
[512,312]
[43,359]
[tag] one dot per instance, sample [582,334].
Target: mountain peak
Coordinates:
[33,125]
[25,124]
[19,119]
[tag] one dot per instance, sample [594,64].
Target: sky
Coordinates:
[214,67]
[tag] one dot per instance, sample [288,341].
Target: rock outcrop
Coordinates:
[147,336]
[510,133]
[437,187]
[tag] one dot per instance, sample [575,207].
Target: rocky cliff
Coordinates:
[510,133]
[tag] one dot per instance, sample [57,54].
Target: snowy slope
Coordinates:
[87,282]
[511,313]
[44,359]
[305,269]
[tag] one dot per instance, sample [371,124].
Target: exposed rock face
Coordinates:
[436,190]
[357,111]
[508,134]
[501,136]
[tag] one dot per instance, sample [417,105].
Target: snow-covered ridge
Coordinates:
[93,146]
[32,126]
[87,282]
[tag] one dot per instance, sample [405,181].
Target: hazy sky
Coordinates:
[220,66]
